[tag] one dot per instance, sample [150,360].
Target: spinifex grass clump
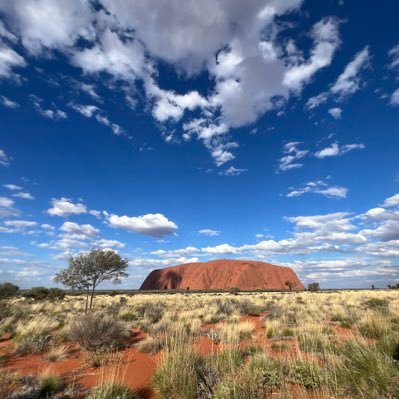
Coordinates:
[112,391]
[34,336]
[366,372]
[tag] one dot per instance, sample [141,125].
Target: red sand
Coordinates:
[222,274]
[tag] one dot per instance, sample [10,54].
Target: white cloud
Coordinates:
[316,101]
[395,97]
[335,150]
[9,59]
[209,232]
[394,54]
[64,207]
[104,243]
[326,41]
[292,155]
[232,171]
[7,208]
[24,195]
[54,114]
[335,112]
[79,231]
[45,24]
[7,102]
[12,187]
[392,201]
[220,249]
[349,81]
[87,110]
[156,225]
[4,158]
[319,187]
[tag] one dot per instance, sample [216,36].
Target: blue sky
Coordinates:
[176,132]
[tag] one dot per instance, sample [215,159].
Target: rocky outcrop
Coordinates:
[222,274]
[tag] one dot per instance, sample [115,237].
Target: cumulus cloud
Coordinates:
[319,187]
[155,225]
[392,201]
[79,231]
[252,67]
[7,207]
[64,207]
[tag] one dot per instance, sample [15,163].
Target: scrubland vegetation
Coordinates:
[202,346]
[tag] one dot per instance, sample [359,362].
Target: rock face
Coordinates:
[222,274]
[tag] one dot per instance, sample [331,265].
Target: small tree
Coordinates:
[290,285]
[87,270]
[8,290]
[313,287]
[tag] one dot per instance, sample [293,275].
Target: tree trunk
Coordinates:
[87,301]
[91,297]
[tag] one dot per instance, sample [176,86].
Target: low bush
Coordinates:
[345,321]
[377,304]
[306,373]
[95,332]
[42,293]
[112,391]
[150,345]
[49,384]
[8,290]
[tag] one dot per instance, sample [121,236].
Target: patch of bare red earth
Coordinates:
[135,369]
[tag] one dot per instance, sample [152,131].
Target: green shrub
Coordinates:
[377,304]
[49,385]
[112,391]
[30,344]
[307,373]
[258,378]
[313,287]
[42,293]
[8,290]
[128,316]
[150,345]
[374,328]
[95,332]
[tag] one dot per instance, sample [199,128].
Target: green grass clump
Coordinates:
[306,373]
[366,372]
[254,381]
[176,376]
[377,304]
[345,321]
[30,344]
[112,391]
[50,385]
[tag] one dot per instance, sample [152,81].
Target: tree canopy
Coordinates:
[89,269]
